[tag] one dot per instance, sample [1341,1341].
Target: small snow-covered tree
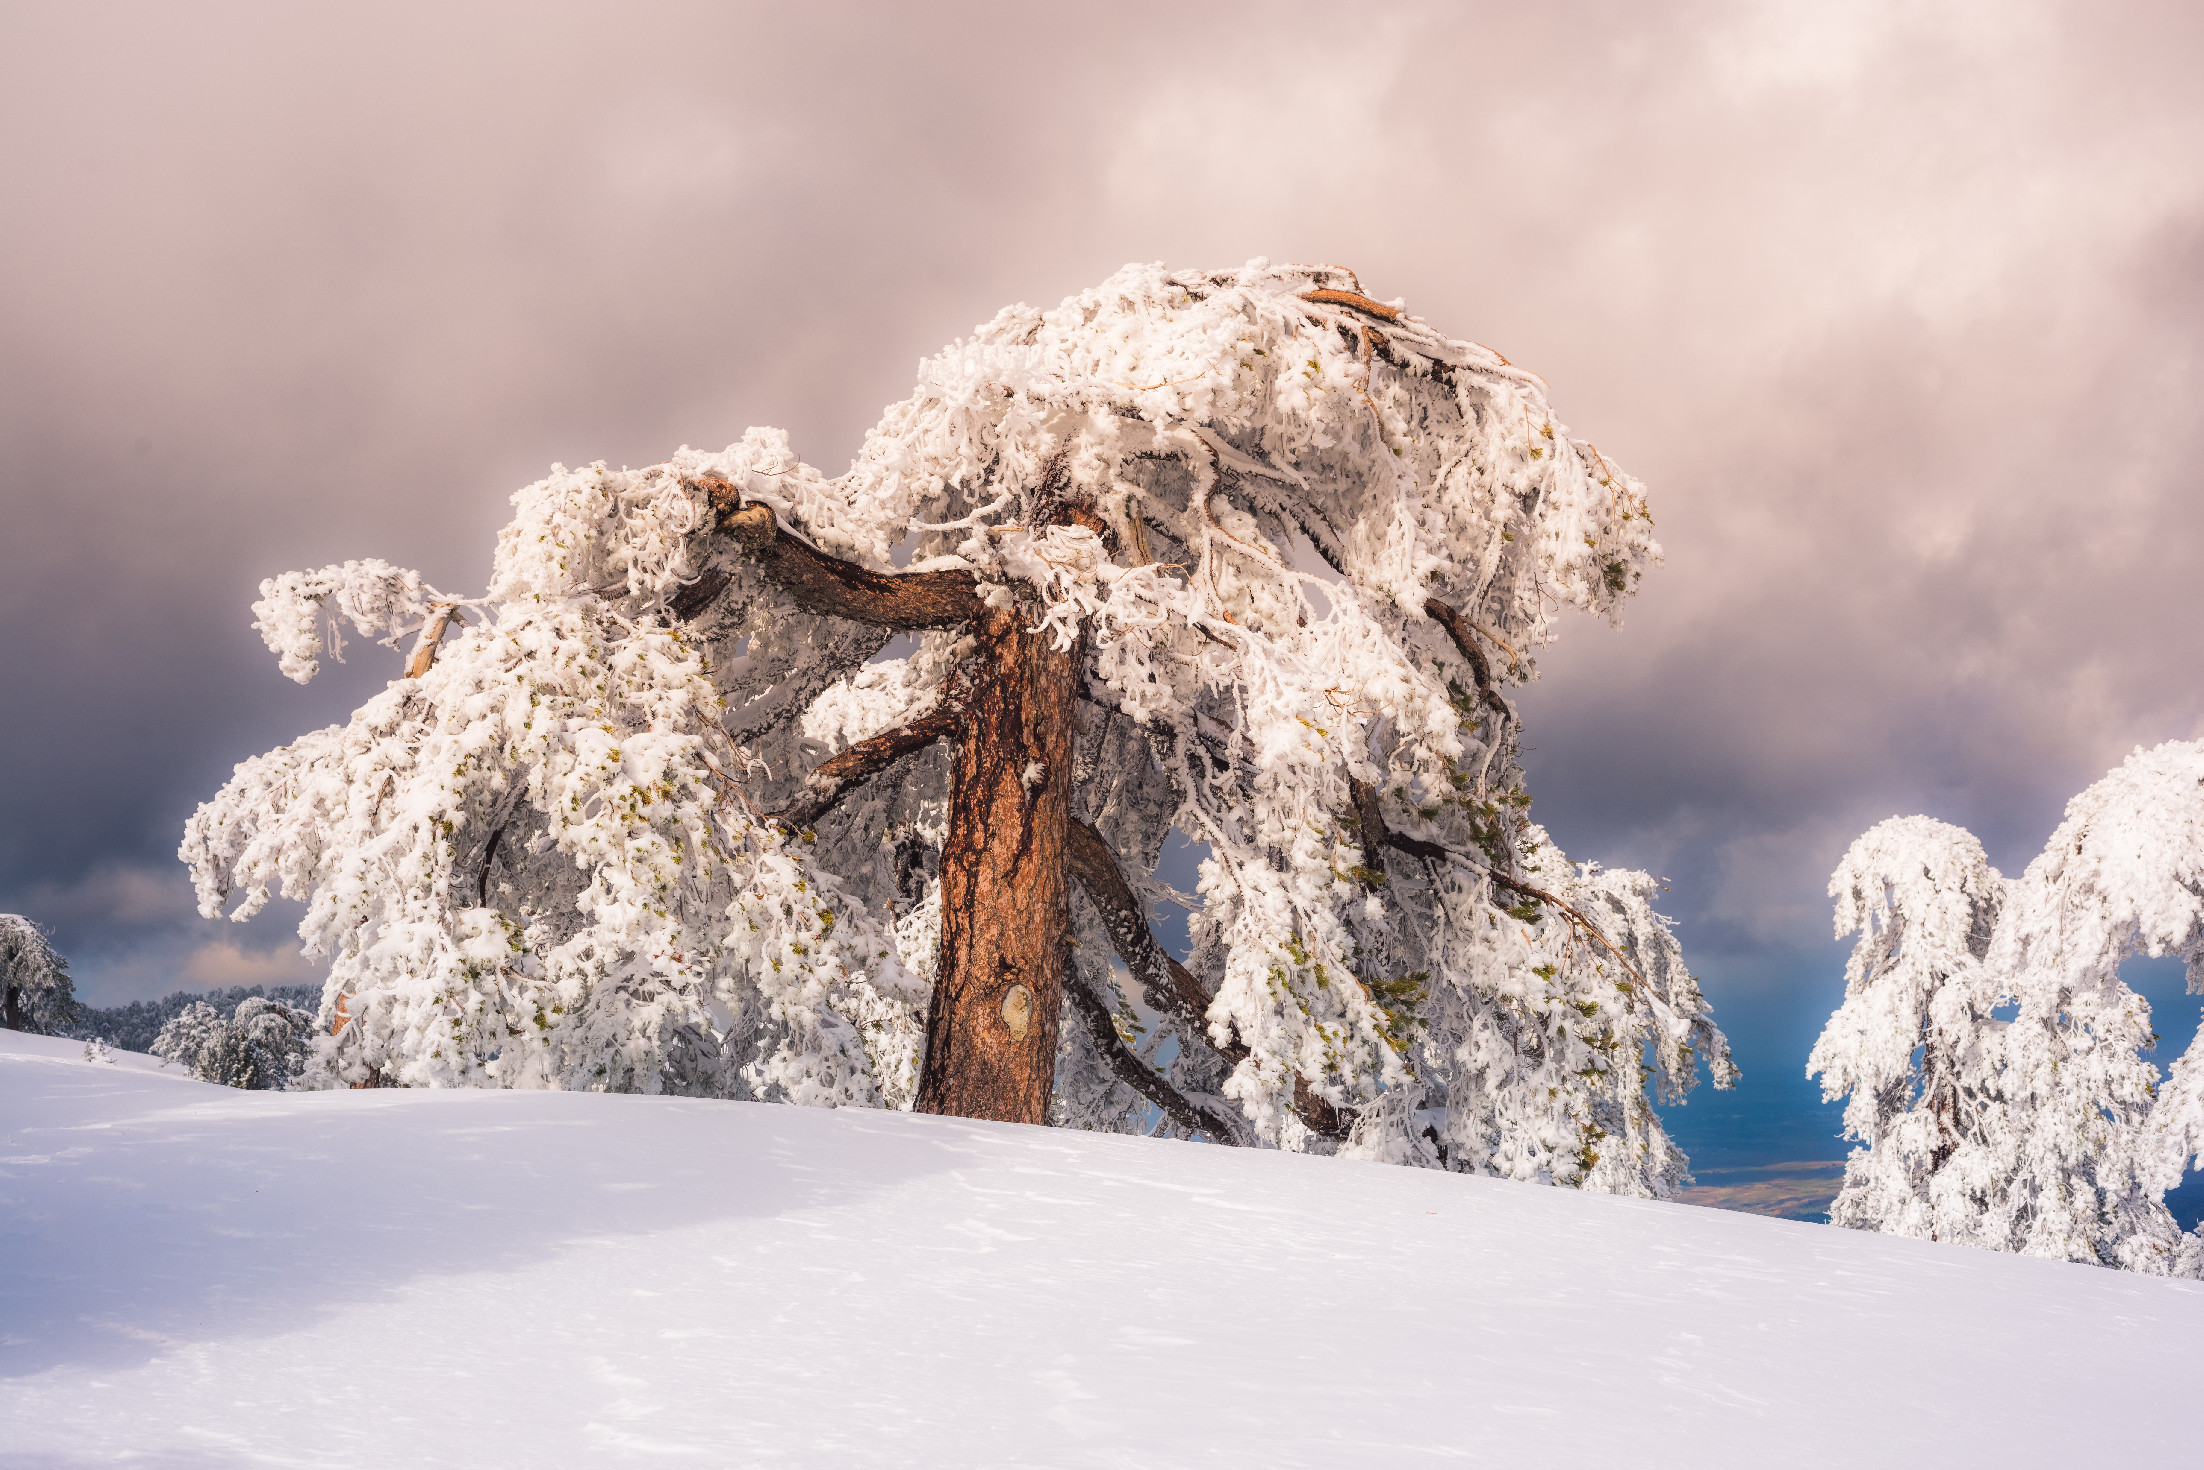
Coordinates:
[1994,1057]
[36,993]
[1914,1044]
[1245,554]
[260,1047]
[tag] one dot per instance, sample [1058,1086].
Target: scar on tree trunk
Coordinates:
[1005,911]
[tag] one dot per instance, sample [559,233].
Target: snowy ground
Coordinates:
[198,1277]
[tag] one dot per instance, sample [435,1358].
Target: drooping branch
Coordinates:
[1377,836]
[1459,628]
[1138,1075]
[828,585]
[844,773]
[1169,984]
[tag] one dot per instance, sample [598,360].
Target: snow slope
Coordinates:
[200,1277]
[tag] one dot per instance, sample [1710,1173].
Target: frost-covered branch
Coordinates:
[1129,1069]
[1459,629]
[423,657]
[379,600]
[844,773]
[1170,986]
[833,587]
[1378,836]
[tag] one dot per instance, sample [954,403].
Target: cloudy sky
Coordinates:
[1896,309]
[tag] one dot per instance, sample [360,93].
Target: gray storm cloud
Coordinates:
[1897,310]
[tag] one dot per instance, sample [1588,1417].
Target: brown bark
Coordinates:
[823,584]
[1006,861]
[1005,915]
[337,1023]
[1355,300]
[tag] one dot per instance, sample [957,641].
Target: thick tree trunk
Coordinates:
[1005,914]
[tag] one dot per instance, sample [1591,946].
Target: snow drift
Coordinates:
[199,1276]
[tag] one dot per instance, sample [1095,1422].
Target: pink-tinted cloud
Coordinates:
[1896,308]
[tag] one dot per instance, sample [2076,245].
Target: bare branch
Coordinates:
[432,634]
[1358,302]
[1169,985]
[844,773]
[824,584]
[1459,628]
[1138,1075]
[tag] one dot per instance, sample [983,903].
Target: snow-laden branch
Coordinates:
[379,600]
[832,587]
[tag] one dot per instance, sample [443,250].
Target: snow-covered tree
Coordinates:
[1914,1044]
[1994,1057]
[36,993]
[260,1048]
[747,781]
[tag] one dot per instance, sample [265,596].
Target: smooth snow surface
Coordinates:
[197,1276]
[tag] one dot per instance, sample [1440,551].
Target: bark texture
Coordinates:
[824,584]
[1138,1075]
[1005,926]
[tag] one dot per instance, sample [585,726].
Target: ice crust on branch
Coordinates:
[1994,1058]
[1239,495]
[376,598]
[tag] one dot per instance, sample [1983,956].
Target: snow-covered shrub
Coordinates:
[260,1048]
[1993,1058]
[36,994]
